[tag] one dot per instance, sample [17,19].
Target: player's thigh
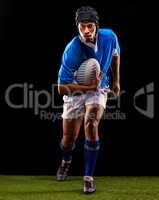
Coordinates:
[71,128]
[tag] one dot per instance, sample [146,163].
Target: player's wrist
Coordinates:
[93,87]
[116,83]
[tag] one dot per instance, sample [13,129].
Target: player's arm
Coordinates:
[72,88]
[69,89]
[70,60]
[115,65]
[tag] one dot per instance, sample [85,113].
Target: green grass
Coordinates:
[108,188]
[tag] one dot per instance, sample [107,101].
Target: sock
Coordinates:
[67,155]
[91,150]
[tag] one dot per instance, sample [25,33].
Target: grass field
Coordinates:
[108,188]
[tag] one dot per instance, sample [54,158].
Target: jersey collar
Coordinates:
[90,44]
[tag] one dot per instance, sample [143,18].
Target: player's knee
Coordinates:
[91,128]
[91,124]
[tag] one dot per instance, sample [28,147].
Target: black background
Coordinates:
[33,38]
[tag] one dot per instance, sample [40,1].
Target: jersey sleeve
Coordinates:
[116,47]
[68,64]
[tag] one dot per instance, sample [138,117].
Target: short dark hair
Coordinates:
[86,13]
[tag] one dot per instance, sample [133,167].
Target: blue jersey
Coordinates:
[77,52]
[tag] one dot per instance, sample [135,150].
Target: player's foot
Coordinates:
[63,170]
[89,186]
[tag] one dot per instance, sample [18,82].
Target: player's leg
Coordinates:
[73,112]
[91,144]
[95,105]
[92,118]
[71,128]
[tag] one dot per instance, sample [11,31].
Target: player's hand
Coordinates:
[97,80]
[100,76]
[116,88]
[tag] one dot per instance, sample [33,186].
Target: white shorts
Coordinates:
[74,106]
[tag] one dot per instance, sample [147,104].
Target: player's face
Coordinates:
[87,31]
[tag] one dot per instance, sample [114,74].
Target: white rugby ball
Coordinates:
[87,71]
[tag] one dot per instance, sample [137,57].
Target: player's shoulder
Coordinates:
[106,32]
[73,44]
